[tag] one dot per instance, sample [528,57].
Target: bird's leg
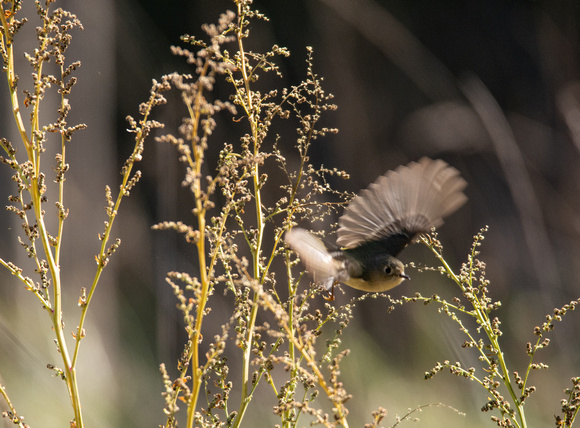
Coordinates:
[330,297]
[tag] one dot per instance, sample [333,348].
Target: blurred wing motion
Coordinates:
[400,204]
[321,265]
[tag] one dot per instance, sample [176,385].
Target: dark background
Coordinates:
[491,87]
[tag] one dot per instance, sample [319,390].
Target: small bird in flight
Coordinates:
[379,223]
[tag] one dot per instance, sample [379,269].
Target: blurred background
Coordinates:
[491,87]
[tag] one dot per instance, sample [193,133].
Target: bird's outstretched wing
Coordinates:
[400,204]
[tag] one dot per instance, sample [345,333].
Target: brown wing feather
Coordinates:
[409,200]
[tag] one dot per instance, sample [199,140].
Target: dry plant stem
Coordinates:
[195,114]
[27,282]
[206,268]
[529,368]
[54,38]
[104,251]
[481,315]
[61,218]
[248,106]
[242,72]
[11,78]
[13,417]
[292,286]
[307,354]
[33,151]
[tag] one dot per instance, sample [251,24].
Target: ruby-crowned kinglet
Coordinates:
[378,223]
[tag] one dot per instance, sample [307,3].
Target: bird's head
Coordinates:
[380,272]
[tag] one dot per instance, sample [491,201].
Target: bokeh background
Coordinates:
[491,87]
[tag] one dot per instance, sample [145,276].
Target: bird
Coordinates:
[378,224]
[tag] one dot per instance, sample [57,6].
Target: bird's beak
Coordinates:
[405,276]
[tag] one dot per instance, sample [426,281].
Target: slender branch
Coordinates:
[12,415]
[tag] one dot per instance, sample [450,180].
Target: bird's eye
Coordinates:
[388,270]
